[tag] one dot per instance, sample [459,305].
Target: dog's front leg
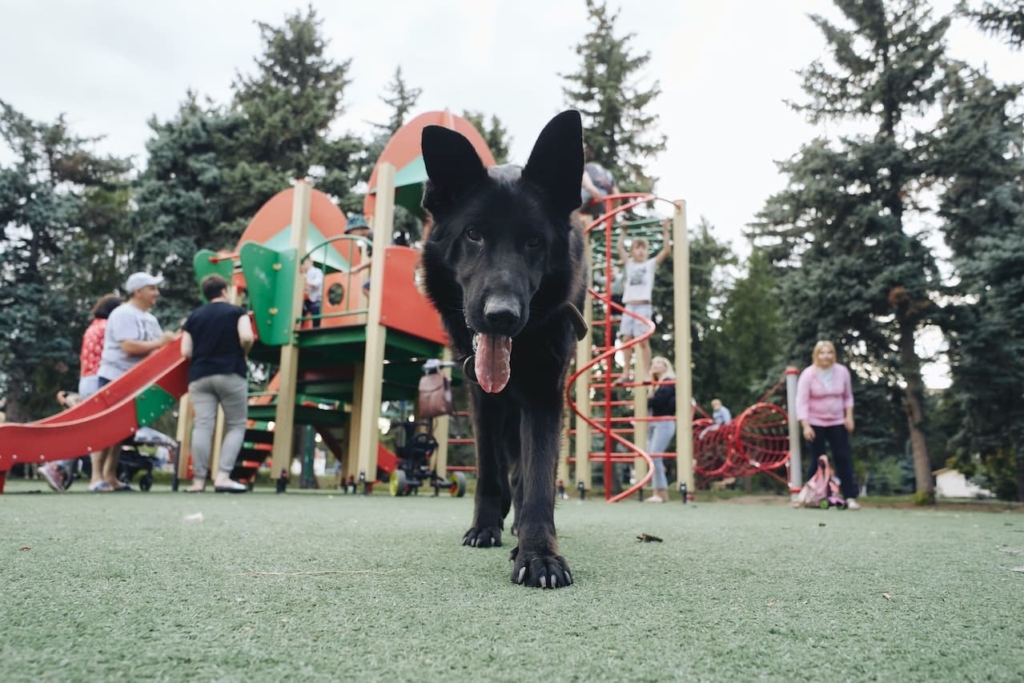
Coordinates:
[536,561]
[493,496]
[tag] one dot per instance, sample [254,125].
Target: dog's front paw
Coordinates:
[483,537]
[540,570]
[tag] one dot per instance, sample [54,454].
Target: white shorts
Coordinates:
[630,326]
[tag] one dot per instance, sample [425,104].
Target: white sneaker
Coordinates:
[654,499]
[852,504]
[52,476]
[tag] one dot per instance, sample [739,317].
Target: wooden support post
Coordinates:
[184,436]
[442,426]
[352,435]
[639,424]
[684,373]
[284,415]
[368,432]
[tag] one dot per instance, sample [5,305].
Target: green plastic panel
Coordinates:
[268,276]
[203,266]
[151,403]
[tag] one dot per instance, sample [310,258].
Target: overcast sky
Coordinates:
[725,68]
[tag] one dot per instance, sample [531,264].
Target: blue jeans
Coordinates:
[658,435]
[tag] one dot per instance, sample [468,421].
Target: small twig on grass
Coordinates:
[647,538]
[318,573]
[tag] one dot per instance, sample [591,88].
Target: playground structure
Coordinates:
[372,337]
[759,440]
[368,347]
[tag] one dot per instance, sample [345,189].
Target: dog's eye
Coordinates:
[473,235]
[533,242]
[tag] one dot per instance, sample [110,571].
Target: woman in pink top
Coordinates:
[824,406]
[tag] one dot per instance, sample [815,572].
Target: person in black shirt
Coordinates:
[217,338]
[662,403]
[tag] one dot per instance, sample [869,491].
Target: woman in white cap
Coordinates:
[132,334]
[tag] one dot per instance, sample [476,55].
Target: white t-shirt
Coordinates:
[314,284]
[639,280]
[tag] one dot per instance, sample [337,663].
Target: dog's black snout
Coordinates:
[502,314]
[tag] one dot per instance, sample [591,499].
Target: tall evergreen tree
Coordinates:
[494,133]
[751,325]
[63,212]
[859,273]
[982,148]
[618,127]
[288,107]
[401,99]
[182,199]
[1004,18]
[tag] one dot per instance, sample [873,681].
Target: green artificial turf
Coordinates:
[323,586]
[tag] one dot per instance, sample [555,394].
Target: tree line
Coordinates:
[915,228]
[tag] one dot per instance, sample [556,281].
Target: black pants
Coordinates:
[838,440]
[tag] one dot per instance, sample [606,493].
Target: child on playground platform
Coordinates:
[639,289]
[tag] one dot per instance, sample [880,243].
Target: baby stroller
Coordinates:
[132,461]
[822,490]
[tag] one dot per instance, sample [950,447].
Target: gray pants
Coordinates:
[231,392]
[658,435]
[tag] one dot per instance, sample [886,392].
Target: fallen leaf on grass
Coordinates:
[821,523]
[886,596]
[24,547]
[647,538]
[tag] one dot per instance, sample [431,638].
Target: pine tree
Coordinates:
[494,133]
[63,210]
[982,150]
[181,200]
[857,271]
[750,326]
[618,127]
[288,107]
[1004,18]
[402,100]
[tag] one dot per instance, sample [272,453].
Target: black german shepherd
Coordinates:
[504,265]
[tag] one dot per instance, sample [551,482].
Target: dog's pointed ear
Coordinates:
[452,166]
[556,162]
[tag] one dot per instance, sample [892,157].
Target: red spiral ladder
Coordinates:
[604,353]
[755,442]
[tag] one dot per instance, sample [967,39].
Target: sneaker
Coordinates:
[852,504]
[654,499]
[52,476]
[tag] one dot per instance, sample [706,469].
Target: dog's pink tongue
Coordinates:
[493,366]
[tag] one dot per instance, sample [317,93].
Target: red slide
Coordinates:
[107,417]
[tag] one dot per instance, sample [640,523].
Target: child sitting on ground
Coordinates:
[639,288]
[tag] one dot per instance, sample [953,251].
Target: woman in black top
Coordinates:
[662,403]
[217,338]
